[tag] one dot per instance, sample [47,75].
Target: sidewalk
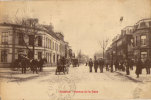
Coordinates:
[10,75]
[142,77]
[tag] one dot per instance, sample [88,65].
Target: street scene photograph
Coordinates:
[75,49]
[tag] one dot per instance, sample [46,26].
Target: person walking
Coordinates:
[23,64]
[111,65]
[122,66]
[95,64]
[35,65]
[147,66]
[101,64]
[90,64]
[131,64]
[127,64]
[41,62]
[138,67]
[116,65]
[107,66]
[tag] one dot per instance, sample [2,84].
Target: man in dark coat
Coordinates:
[111,65]
[127,64]
[23,64]
[116,65]
[106,64]
[131,64]
[95,64]
[41,62]
[90,64]
[101,64]
[35,65]
[138,67]
[122,66]
[147,65]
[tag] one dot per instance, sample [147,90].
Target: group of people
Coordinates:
[120,65]
[96,63]
[24,62]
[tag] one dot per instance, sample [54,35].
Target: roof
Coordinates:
[39,27]
[144,20]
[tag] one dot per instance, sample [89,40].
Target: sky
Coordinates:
[83,22]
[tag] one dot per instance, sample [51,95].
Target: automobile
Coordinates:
[75,62]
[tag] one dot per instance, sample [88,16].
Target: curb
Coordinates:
[133,79]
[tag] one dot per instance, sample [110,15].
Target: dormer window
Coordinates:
[142,24]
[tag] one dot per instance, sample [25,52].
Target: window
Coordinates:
[53,46]
[39,41]
[143,56]
[142,24]
[50,58]
[20,39]
[136,42]
[31,39]
[30,54]
[39,55]
[143,40]
[150,24]
[3,56]
[47,56]
[4,38]
[46,43]
[50,44]
[53,58]
[56,46]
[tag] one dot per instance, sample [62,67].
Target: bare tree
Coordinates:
[24,26]
[103,44]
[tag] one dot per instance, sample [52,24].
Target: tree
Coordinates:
[25,27]
[103,44]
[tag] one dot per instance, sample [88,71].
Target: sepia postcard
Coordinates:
[75,49]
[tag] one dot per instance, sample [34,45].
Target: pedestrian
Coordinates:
[122,66]
[131,62]
[138,67]
[127,64]
[116,65]
[90,64]
[107,68]
[86,63]
[101,64]
[95,64]
[147,65]
[111,65]
[35,65]
[41,62]
[23,64]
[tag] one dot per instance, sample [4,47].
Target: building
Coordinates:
[121,45]
[134,42]
[142,39]
[36,42]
